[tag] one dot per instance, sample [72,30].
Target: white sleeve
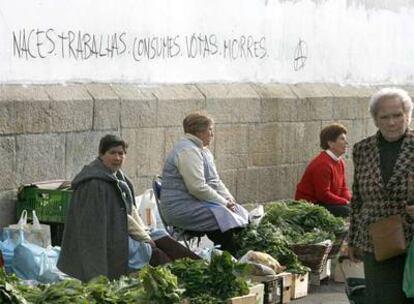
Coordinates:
[190,166]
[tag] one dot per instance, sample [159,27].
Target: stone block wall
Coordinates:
[264,136]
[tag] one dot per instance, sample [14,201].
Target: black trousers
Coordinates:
[168,250]
[337,210]
[383,280]
[226,239]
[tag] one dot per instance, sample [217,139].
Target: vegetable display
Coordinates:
[287,223]
[284,224]
[302,222]
[269,239]
[203,283]
[126,290]
[222,279]
[193,275]
[227,277]
[160,285]
[9,293]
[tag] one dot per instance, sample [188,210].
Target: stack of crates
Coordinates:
[273,288]
[51,207]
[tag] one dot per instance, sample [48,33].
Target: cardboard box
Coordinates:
[248,299]
[299,285]
[258,290]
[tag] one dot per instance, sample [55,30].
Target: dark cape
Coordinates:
[95,240]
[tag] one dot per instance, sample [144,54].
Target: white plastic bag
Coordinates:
[35,233]
[263,259]
[256,215]
[147,208]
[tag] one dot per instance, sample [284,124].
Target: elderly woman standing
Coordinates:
[193,197]
[383,164]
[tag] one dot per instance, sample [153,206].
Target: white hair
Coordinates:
[391,93]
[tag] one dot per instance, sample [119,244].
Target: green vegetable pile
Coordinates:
[205,299]
[160,287]
[9,293]
[302,222]
[196,280]
[269,239]
[222,279]
[286,223]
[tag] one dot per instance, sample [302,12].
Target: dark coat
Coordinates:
[95,240]
[371,198]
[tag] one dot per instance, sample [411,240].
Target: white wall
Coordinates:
[342,41]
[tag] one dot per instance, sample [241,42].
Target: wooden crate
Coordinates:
[248,299]
[273,288]
[300,284]
[258,290]
[287,286]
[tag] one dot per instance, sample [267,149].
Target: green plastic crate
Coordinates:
[50,205]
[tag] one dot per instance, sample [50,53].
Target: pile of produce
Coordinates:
[303,223]
[196,281]
[269,239]
[286,223]
[222,279]
[160,288]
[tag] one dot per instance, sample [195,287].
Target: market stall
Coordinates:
[278,251]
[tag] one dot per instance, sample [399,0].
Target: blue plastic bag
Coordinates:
[408,279]
[32,262]
[7,250]
[139,253]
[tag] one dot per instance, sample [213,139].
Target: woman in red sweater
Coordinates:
[324,179]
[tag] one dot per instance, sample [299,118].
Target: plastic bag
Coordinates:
[263,259]
[256,215]
[32,262]
[147,207]
[139,253]
[207,253]
[35,233]
[7,249]
[408,279]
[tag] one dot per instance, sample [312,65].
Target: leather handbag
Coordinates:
[388,238]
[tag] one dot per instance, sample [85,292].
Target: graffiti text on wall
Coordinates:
[34,44]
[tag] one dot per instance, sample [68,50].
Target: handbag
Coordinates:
[388,237]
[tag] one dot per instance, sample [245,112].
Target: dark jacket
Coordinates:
[371,198]
[95,240]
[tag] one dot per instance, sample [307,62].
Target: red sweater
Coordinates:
[324,182]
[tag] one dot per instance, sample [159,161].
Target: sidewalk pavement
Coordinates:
[329,292]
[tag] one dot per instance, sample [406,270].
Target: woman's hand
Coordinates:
[231,204]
